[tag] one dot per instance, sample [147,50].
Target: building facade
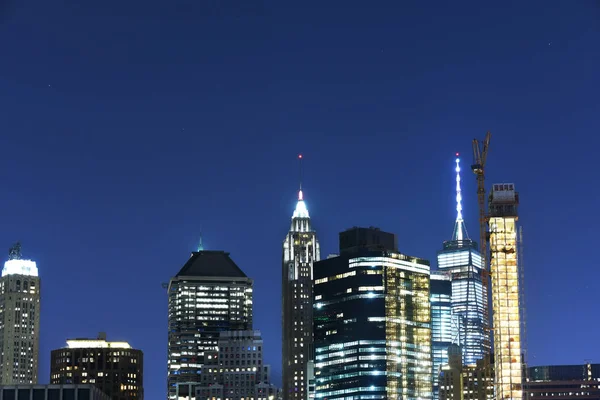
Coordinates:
[236,370]
[19,320]
[300,251]
[115,368]
[565,382]
[52,392]
[466,382]
[461,260]
[443,327]
[505,274]
[209,295]
[372,321]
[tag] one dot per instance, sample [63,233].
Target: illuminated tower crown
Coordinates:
[460,230]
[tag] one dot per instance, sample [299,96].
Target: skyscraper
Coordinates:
[114,367]
[443,328]
[504,268]
[300,251]
[19,320]
[461,259]
[209,295]
[372,321]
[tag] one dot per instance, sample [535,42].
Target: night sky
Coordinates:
[127,127]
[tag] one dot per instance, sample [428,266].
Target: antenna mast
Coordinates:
[300,168]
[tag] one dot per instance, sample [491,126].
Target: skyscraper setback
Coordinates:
[505,270]
[300,251]
[209,295]
[461,259]
[19,320]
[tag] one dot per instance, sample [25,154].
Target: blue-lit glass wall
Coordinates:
[462,261]
[443,328]
[358,356]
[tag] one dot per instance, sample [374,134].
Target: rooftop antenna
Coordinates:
[200,245]
[14,253]
[460,230]
[300,196]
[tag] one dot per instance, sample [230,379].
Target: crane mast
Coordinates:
[480,151]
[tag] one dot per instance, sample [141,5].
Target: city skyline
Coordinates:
[121,144]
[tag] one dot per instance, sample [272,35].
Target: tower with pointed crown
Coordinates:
[461,261]
[300,251]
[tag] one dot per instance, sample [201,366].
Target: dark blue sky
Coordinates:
[128,126]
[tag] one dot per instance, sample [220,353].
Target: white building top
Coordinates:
[301,211]
[96,344]
[20,267]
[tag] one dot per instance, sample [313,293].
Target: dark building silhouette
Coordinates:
[209,295]
[52,392]
[113,367]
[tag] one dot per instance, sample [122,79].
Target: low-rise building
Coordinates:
[566,382]
[52,392]
[114,367]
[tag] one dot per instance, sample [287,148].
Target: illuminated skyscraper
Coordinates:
[19,320]
[504,268]
[372,321]
[300,251]
[209,295]
[461,259]
[443,328]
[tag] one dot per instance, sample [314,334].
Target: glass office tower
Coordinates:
[461,260]
[443,327]
[372,323]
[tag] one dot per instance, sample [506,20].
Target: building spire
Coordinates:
[300,197]
[460,230]
[301,211]
[200,245]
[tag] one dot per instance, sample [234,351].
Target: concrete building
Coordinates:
[115,368]
[19,320]
[236,370]
[443,326]
[52,392]
[209,295]
[565,382]
[505,274]
[300,251]
[461,260]
[466,382]
[372,321]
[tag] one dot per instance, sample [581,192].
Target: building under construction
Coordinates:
[505,273]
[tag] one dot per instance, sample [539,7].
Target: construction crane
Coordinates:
[480,151]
